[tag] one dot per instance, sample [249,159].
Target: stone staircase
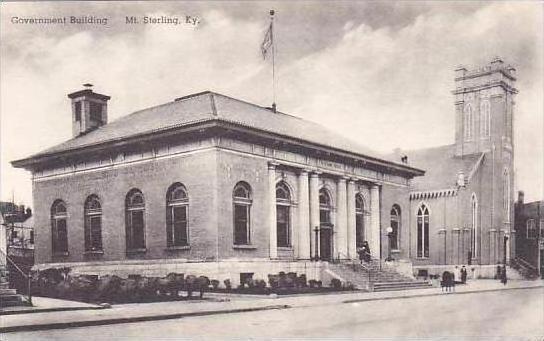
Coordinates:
[373,277]
[9,297]
[524,268]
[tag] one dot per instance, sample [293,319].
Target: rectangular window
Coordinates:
[282,221]
[531,229]
[60,236]
[96,112]
[78,111]
[31,237]
[241,225]
[179,222]
[136,237]
[324,216]
[93,239]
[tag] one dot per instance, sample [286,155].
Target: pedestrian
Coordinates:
[503,275]
[463,275]
[366,251]
[361,254]
[456,274]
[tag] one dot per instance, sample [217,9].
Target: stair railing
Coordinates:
[27,276]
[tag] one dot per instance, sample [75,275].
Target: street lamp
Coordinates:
[389,231]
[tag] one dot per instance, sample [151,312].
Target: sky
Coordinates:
[381,73]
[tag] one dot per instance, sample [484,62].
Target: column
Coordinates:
[341,227]
[304,232]
[375,234]
[272,210]
[350,220]
[492,242]
[443,242]
[314,211]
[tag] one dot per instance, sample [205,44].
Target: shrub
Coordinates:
[215,284]
[336,283]
[274,281]
[260,284]
[228,284]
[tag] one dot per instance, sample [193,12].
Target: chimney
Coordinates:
[89,110]
[521,197]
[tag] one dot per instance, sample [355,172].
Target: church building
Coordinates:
[208,184]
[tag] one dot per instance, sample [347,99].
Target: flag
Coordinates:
[267,42]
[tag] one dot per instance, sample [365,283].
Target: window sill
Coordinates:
[178,247]
[285,248]
[244,247]
[396,251]
[94,252]
[61,254]
[134,251]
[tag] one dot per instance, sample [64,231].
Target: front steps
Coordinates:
[372,277]
[9,297]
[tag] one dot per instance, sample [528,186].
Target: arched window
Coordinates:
[283,214]
[468,122]
[241,197]
[485,119]
[359,220]
[135,220]
[324,207]
[93,224]
[423,231]
[506,195]
[177,213]
[395,225]
[474,239]
[59,231]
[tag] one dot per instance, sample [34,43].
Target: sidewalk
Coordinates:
[138,312]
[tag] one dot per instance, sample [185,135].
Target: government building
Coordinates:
[208,184]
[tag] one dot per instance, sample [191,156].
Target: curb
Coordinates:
[47,310]
[435,294]
[65,325]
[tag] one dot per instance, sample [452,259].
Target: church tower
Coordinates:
[484,103]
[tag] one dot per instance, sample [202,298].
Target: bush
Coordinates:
[228,284]
[260,284]
[336,283]
[215,284]
[274,281]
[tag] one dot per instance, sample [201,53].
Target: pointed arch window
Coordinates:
[177,216]
[135,220]
[283,214]
[468,122]
[395,221]
[359,220]
[485,119]
[59,229]
[242,213]
[93,224]
[474,235]
[423,231]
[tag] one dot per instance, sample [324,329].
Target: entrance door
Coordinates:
[325,243]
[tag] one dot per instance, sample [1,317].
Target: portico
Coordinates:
[324,222]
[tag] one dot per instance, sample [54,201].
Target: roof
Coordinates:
[441,167]
[209,106]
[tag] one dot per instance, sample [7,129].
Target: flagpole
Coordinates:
[273,60]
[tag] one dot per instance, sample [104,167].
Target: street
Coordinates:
[503,314]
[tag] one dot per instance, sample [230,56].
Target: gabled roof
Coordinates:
[441,167]
[212,107]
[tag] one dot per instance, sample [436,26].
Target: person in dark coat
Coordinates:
[463,275]
[361,254]
[503,275]
[366,251]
